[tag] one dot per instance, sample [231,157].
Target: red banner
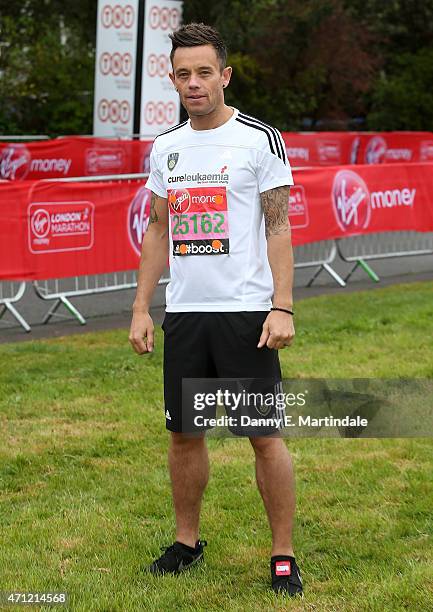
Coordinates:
[339,202]
[395,147]
[56,230]
[72,157]
[79,156]
[321,148]
[340,148]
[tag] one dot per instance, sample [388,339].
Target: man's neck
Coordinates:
[213,120]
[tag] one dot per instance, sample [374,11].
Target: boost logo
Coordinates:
[351,201]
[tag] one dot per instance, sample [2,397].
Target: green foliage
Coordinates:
[404,99]
[85,493]
[47,67]
[331,59]
[293,60]
[302,58]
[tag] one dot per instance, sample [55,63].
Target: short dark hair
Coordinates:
[196,34]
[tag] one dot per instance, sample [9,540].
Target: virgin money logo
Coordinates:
[354,150]
[14,162]
[138,218]
[145,164]
[375,151]
[351,201]
[179,201]
[40,223]
[145,161]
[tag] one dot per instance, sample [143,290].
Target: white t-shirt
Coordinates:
[213,180]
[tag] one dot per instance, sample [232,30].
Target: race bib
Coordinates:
[199,221]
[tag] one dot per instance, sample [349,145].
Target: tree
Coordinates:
[47,66]
[403,99]
[293,59]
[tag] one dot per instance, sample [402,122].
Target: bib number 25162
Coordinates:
[199,221]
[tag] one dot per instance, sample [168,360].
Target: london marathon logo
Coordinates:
[60,226]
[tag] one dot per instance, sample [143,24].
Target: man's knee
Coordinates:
[266,445]
[187,441]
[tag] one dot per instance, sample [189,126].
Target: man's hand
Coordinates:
[278,330]
[141,333]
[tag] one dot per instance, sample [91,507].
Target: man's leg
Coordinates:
[275,479]
[189,473]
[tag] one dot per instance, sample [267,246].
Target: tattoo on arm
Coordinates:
[275,204]
[153,216]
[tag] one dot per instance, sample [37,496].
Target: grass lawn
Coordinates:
[84,490]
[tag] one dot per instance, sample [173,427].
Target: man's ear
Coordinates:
[226,74]
[172,79]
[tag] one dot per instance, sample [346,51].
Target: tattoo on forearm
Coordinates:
[275,204]
[153,216]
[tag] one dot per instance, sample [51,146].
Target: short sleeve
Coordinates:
[272,170]
[155,181]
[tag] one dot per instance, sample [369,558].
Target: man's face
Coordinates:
[199,80]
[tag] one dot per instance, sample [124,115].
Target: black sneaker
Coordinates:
[286,577]
[178,557]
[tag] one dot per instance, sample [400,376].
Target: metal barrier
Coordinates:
[112,136]
[11,292]
[61,290]
[384,245]
[318,254]
[7,138]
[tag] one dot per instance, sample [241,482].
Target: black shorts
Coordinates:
[215,345]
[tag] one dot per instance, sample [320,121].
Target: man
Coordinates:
[214,178]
